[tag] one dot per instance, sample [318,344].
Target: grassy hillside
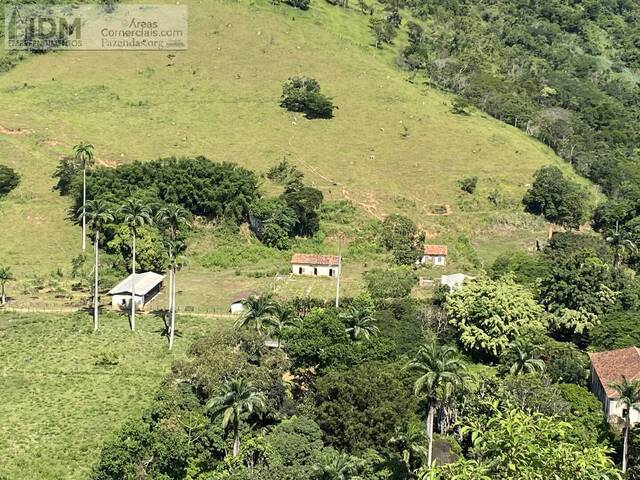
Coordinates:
[392,146]
[61,397]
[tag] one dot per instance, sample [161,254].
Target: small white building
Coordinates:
[237,302]
[608,368]
[455,280]
[435,255]
[147,286]
[315,265]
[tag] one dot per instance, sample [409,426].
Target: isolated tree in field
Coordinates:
[237,399]
[136,214]
[9,179]
[5,277]
[174,219]
[556,198]
[359,323]
[441,373]
[83,153]
[258,309]
[282,318]
[97,214]
[629,398]
[523,358]
[302,94]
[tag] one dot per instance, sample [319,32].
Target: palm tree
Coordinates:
[442,371]
[97,214]
[340,466]
[629,398]
[136,214]
[359,323]
[620,243]
[282,317]
[411,447]
[173,218]
[237,398]
[5,276]
[83,153]
[257,310]
[523,358]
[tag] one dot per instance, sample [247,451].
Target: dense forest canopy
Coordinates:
[564,71]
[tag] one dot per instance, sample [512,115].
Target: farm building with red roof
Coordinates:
[435,255]
[315,265]
[609,368]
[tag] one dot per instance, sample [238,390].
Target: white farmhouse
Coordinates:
[435,255]
[237,302]
[315,265]
[147,286]
[608,368]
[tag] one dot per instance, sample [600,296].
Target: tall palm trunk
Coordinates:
[236,440]
[84,203]
[3,300]
[133,283]
[95,284]
[430,416]
[625,445]
[172,326]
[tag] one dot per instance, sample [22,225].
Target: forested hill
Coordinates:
[565,71]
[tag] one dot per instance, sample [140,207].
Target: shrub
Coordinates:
[468,184]
[9,179]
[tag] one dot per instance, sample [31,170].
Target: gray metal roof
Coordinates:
[145,282]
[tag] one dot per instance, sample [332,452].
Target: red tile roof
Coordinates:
[436,250]
[312,259]
[611,366]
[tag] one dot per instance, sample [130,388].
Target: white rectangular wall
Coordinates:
[314,270]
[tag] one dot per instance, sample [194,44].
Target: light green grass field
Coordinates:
[59,404]
[393,146]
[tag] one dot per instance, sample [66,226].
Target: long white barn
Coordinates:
[148,285]
[315,265]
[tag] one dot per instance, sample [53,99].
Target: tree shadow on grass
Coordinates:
[164,329]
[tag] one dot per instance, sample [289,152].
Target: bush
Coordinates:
[301,4]
[9,179]
[468,184]
[384,285]
[302,94]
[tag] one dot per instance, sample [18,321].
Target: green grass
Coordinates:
[221,99]
[59,404]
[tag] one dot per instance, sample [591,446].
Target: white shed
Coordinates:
[455,280]
[315,265]
[608,368]
[147,286]
[237,302]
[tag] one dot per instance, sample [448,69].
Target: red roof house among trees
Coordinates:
[435,255]
[610,367]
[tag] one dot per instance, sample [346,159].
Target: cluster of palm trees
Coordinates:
[172,219]
[266,315]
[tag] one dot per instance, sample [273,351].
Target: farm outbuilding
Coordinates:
[147,286]
[611,367]
[315,265]
[455,280]
[435,255]
[237,303]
